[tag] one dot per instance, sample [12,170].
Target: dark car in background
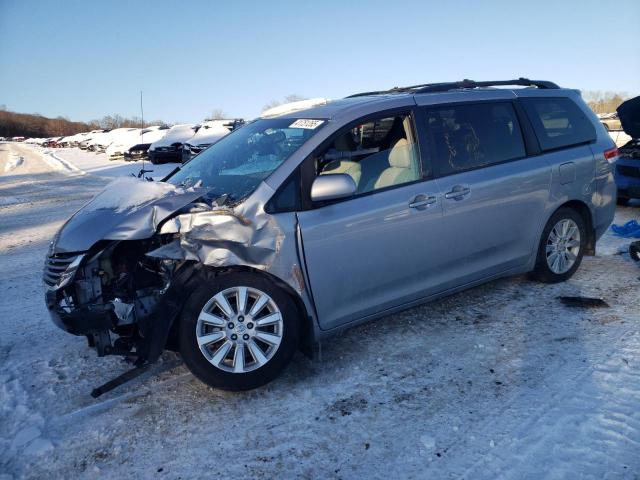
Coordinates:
[169,148]
[628,166]
[209,133]
[137,152]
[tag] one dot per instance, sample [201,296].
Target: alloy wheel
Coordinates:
[563,246]
[239,329]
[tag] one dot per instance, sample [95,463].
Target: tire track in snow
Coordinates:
[584,420]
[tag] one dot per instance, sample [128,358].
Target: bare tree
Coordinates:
[288,99]
[218,114]
[604,101]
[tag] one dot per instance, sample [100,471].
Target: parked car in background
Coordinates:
[209,132]
[101,141]
[52,142]
[169,148]
[610,121]
[132,137]
[296,226]
[628,165]
[137,152]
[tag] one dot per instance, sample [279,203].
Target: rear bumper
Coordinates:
[167,156]
[137,155]
[604,204]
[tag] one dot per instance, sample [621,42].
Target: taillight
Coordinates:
[611,155]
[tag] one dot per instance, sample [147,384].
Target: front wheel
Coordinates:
[238,331]
[561,247]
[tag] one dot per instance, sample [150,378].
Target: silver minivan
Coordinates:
[294,227]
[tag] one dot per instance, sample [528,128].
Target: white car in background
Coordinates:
[135,138]
[209,133]
[169,148]
[101,141]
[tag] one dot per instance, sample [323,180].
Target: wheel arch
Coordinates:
[587,216]
[307,328]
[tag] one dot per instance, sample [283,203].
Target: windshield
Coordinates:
[237,163]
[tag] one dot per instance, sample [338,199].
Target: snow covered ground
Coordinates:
[74,160]
[501,381]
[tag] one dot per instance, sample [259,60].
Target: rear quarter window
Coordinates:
[558,122]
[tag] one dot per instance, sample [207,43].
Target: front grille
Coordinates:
[55,266]
[629,171]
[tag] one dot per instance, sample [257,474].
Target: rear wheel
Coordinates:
[561,247]
[238,332]
[623,201]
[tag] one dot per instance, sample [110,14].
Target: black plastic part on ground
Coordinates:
[119,380]
[583,302]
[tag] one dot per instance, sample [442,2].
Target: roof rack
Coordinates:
[466,83]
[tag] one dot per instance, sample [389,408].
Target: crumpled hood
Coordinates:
[127,209]
[629,115]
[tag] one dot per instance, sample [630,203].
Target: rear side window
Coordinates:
[469,136]
[558,122]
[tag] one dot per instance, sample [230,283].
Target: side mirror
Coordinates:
[332,186]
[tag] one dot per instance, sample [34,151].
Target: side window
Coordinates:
[558,122]
[468,136]
[377,154]
[288,198]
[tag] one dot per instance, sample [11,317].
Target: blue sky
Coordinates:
[86,59]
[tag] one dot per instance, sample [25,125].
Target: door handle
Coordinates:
[457,192]
[422,201]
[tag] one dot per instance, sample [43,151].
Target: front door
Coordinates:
[383,246]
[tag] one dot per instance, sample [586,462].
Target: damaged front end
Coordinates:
[117,296]
[99,281]
[124,291]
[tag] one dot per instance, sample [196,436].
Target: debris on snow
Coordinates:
[583,302]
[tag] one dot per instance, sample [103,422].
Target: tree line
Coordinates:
[604,101]
[14,124]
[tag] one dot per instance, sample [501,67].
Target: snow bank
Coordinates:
[129,193]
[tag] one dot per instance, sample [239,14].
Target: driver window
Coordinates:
[377,154]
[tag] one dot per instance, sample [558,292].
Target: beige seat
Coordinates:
[402,168]
[352,169]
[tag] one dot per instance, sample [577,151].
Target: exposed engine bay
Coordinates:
[115,291]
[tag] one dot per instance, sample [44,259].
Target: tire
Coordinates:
[543,271]
[634,251]
[256,370]
[623,201]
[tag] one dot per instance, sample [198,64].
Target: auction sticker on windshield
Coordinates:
[306,123]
